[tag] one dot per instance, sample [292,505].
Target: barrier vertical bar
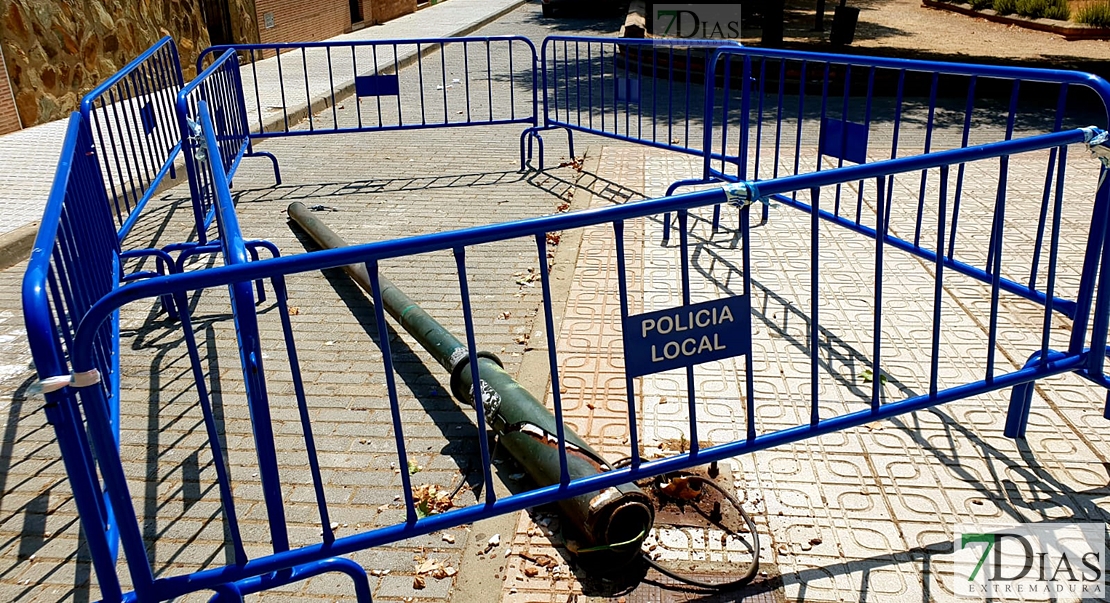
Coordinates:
[307,89]
[378,98]
[397,72]
[1005,160]
[749,362]
[925,173]
[759,120]
[814,305]
[1034,265]
[801,118]
[257,88]
[994,263]
[552,358]
[1053,254]
[938,288]
[479,401]
[844,137]
[877,345]
[281,86]
[443,72]
[391,385]
[630,388]
[824,113]
[358,100]
[968,109]
[684,262]
[867,126]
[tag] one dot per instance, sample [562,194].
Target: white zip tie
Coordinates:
[1098,143]
[53,384]
[743,194]
[198,141]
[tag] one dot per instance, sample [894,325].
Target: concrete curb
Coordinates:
[15,246]
[1061,28]
[299,113]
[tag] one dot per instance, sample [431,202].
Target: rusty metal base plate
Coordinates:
[710,510]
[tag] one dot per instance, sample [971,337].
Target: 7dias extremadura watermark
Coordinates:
[696,21]
[1042,561]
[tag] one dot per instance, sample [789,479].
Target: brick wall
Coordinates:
[384,10]
[299,21]
[9,119]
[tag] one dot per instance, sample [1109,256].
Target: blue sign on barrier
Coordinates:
[628,89]
[377,85]
[687,335]
[146,114]
[844,140]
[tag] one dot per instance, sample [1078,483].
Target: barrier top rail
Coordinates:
[133,128]
[537,227]
[1039,74]
[465,85]
[220,48]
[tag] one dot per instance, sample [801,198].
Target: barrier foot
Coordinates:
[1017,417]
[570,143]
[1021,401]
[253,247]
[270,156]
[716,218]
[671,190]
[523,158]
[235,591]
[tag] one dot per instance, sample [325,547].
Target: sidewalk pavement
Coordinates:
[28,157]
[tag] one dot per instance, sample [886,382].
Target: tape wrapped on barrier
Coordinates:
[53,384]
[743,194]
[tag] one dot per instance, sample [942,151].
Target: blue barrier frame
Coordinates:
[221,86]
[73,311]
[240,274]
[137,145]
[627,50]
[424,47]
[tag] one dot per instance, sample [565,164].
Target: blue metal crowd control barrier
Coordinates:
[134,131]
[464,81]
[220,85]
[640,90]
[245,574]
[806,111]
[76,261]
[73,295]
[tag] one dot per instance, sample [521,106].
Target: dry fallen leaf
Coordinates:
[294,310]
[679,488]
[418,582]
[531,571]
[430,500]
